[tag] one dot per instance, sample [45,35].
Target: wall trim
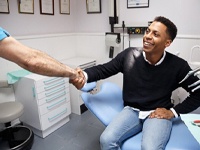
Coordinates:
[42,36]
[181,36]
[188,36]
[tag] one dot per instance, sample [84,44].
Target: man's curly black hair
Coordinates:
[171,27]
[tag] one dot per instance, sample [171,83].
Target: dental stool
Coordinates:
[108,102]
[16,137]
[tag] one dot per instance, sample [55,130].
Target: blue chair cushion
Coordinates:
[180,139]
[89,87]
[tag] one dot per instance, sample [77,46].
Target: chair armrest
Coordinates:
[89,86]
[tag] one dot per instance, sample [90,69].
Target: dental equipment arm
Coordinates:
[190,73]
[196,73]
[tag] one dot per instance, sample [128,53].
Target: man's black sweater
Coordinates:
[147,86]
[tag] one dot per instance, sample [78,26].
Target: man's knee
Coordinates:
[104,139]
[107,142]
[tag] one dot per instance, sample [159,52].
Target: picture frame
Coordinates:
[137,3]
[47,7]
[64,7]
[93,6]
[26,6]
[4,7]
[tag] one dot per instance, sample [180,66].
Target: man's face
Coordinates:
[156,39]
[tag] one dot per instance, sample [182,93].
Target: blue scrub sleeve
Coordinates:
[3,34]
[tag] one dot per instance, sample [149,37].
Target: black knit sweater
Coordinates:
[146,86]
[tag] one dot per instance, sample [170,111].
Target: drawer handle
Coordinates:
[53,86]
[58,115]
[55,97]
[55,91]
[51,80]
[56,104]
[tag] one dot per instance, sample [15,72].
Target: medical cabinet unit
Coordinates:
[46,102]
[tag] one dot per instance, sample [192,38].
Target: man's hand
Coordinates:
[162,113]
[79,81]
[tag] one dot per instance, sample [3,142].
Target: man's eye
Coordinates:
[156,35]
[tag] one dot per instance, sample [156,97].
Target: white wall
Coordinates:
[94,23]
[33,24]
[184,13]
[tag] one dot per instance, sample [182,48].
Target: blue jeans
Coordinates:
[155,132]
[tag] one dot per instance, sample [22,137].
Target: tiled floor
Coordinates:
[82,132]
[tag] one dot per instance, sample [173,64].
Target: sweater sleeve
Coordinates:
[191,102]
[106,70]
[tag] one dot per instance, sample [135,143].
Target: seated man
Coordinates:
[150,75]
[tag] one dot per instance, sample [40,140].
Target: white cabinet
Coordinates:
[46,102]
[77,105]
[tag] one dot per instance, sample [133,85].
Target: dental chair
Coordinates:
[108,102]
[16,137]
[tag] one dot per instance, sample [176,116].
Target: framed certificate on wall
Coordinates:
[4,6]
[47,7]
[26,6]
[64,7]
[93,6]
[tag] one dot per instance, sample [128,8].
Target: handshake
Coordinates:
[78,78]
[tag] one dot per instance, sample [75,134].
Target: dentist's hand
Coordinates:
[79,81]
[73,74]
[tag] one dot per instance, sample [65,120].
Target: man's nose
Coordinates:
[148,35]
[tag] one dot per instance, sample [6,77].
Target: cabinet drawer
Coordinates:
[50,86]
[53,98]
[54,116]
[52,92]
[47,107]
[49,80]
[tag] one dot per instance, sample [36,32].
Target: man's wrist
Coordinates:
[86,76]
[72,74]
[174,112]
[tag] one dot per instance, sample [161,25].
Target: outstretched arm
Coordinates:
[33,60]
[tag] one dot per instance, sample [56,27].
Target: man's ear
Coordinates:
[168,43]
